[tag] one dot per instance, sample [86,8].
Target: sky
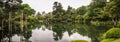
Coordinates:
[46,5]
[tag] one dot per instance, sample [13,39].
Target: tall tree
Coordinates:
[112,10]
[81,10]
[58,12]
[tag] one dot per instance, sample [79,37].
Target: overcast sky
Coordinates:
[46,5]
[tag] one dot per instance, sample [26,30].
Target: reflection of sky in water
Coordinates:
[40,35]
[77,36]
[16,38]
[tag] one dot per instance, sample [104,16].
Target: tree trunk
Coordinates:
[114,22]
[2,26]
[9,23]
[2,23]
[21,21]
[26,21]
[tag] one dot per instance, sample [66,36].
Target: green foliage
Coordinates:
[81,10]
[112,33]
[118,24]
[107,40]
[28,10]
[98,13]
[112,9]
[117,40]
[98,10]
[101,23]
[79,41]
[110,40]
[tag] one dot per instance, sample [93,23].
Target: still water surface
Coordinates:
[40,35]
[56,33]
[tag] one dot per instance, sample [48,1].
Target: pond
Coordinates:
[58,32]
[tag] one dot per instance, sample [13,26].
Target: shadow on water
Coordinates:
[57,32]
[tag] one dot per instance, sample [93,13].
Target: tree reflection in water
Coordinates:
[58,29]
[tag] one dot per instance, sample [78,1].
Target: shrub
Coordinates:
[107,40]
[79,41]
[117,40]
[112,33]
[111,40]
